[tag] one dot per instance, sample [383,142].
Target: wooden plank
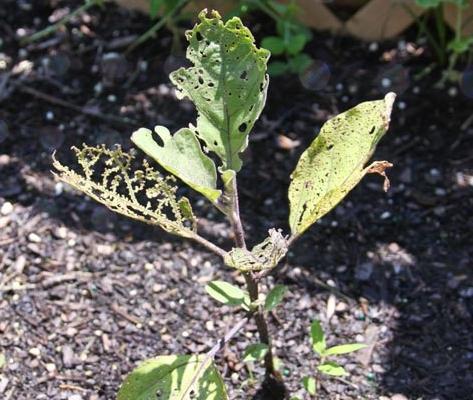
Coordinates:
[315,14]
[450,14]
[382,19]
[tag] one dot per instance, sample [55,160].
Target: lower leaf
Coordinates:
[179,377]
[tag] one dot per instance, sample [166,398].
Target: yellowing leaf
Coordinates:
[174,378]
[182,156]
[344,349]
[227,84]
[335,161]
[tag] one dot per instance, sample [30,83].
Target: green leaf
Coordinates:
[296,44]
[335,161]
[278,68]
[318,338]
[344,349]
[274,44]
[462,45]
[225,293]
[274,297]
[299,63]
[309,385]
[429,3]
[255,352]
[182,156]
[227,83]
[170,378]
[154,6]
[331,368]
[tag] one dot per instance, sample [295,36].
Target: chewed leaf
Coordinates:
[143,194]
[227,84]
[182,156]
[174,378]
[335,161]
[265,255]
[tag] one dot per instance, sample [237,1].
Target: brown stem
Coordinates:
[251,283]
[209,245]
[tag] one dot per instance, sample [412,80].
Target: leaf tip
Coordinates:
[389,102]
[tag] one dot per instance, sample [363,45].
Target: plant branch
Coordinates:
[209,245]
[251,283]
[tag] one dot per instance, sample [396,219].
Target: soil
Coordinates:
[86,294]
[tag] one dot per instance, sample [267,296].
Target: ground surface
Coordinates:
[85,294]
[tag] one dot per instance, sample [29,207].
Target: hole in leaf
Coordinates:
[215,143]
[330,146]
[158,139]
[242,127]
[243,75]
[201,80]
[211,84]
[199,36]
[372,130]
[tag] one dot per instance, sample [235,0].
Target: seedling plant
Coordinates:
[227,83]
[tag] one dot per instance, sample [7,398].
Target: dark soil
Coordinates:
[86,294]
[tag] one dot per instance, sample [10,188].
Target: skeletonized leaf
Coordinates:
[344,349]
[335,161]
[171,378]
[227,84]
[317,337]
[181,155]
[274,297]
[143,194]
[255,352]
[331,368]
[225,293]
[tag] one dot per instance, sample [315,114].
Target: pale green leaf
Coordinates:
[296,43]
[335,161]
[317,337]
[274,44]
[344,349]
[309,385]
[227,84]
[3,360]
[331,368]
[181,155]
[172,378]
[225,293]
[274,297]
[255,352]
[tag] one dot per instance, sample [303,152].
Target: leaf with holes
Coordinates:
[181,155]
[335,161]
[227,84]
[174,378]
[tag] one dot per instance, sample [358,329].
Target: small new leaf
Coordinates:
[225,293]
[344,349]
[182,156]
[309,385]
[331,368]
[335,161]
[274,297]
[227,84]
[255,352]
[174,378]
[318,338]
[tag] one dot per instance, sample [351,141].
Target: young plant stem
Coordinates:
[53,28]
[251,283]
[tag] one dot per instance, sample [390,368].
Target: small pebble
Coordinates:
[49,116]
[386,82]
[34,351]
[374,46]
[34,238]
[7,208]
